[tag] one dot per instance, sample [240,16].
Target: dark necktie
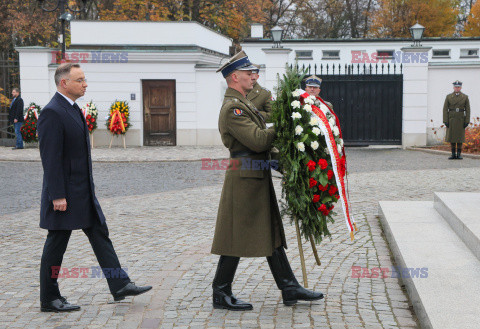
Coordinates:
[77,108]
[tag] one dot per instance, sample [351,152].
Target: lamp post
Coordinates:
[277,35]
[417,33]
[65,16]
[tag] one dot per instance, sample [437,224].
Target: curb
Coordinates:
[426,150]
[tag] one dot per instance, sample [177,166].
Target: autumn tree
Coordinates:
[472,27]
[393,18]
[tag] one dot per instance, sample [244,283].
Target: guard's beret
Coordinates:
[238,62]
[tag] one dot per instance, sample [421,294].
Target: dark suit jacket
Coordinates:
[67,168]
[16,110]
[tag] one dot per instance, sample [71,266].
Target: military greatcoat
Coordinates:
[456,113]
[248,221]
[262,99]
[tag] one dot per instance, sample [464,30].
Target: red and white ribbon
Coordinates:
[324,125]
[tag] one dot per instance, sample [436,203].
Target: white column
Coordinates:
[275,66]
[415,96]
[34,74]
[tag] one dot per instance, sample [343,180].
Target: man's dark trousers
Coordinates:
[55,247]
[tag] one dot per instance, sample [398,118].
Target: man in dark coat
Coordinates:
[68,194]
[456,117]
[15,117]
[248,222]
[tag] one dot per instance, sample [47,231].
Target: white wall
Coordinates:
[147,33]
[440,80]
[256,55]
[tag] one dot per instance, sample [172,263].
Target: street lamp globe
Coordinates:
[277,34]
[417,33]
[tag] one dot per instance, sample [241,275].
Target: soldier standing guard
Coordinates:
[456,117]
[260,96]
[248,221]
[312,87]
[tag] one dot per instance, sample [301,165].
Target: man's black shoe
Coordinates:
[292,295]
[130,290]
[221,300]
[58,305]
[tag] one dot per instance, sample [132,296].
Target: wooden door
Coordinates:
[159,113]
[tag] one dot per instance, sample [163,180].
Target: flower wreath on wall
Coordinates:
[29,128]
[118,119]
[312,158]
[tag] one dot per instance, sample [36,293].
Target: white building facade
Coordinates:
[166,72]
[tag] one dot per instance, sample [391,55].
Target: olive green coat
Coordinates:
[248,221]
[262,99]
[456,120]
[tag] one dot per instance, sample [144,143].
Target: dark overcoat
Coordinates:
[456,113]
[16,111]
[67,168]
[248,221]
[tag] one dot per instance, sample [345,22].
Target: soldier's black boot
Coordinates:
[222,286]
[459,152]
[292,291]
[454,155]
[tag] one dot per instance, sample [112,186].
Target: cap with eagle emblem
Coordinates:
[313,81]
[238,62]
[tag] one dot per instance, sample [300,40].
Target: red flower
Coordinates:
[332,190]
[336,196]
[323,164]
[311,165]
[89,116]
[93,119]
[316,198]
[312,182]
[322,188]
[331,208]
[330,174]
[323,209]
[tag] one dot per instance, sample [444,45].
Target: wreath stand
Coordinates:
[91,140]
[123,138]
[302,258]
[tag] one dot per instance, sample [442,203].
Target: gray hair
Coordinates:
[16,89]
[63,70]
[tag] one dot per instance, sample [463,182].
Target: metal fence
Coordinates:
[9,79]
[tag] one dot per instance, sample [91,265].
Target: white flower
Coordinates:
[301,146]
[298,130]
[336,131]
[339,149]
[296,115]
[296,93]
[313,121]
[327,151]
[314,145]
[310,100]
[316,131]
[295,104]
[340,142]
[308,108]
[324,108]
[332,122]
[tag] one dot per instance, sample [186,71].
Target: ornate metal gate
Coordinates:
[367,99]
[9,79]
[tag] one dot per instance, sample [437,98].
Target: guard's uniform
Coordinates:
[248,221]
[456,114]
[262,99]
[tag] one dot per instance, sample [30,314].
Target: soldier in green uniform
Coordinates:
[456,117]
[248,220]
[312,87]
[260,97]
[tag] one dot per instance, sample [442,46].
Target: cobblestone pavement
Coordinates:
[162,222]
